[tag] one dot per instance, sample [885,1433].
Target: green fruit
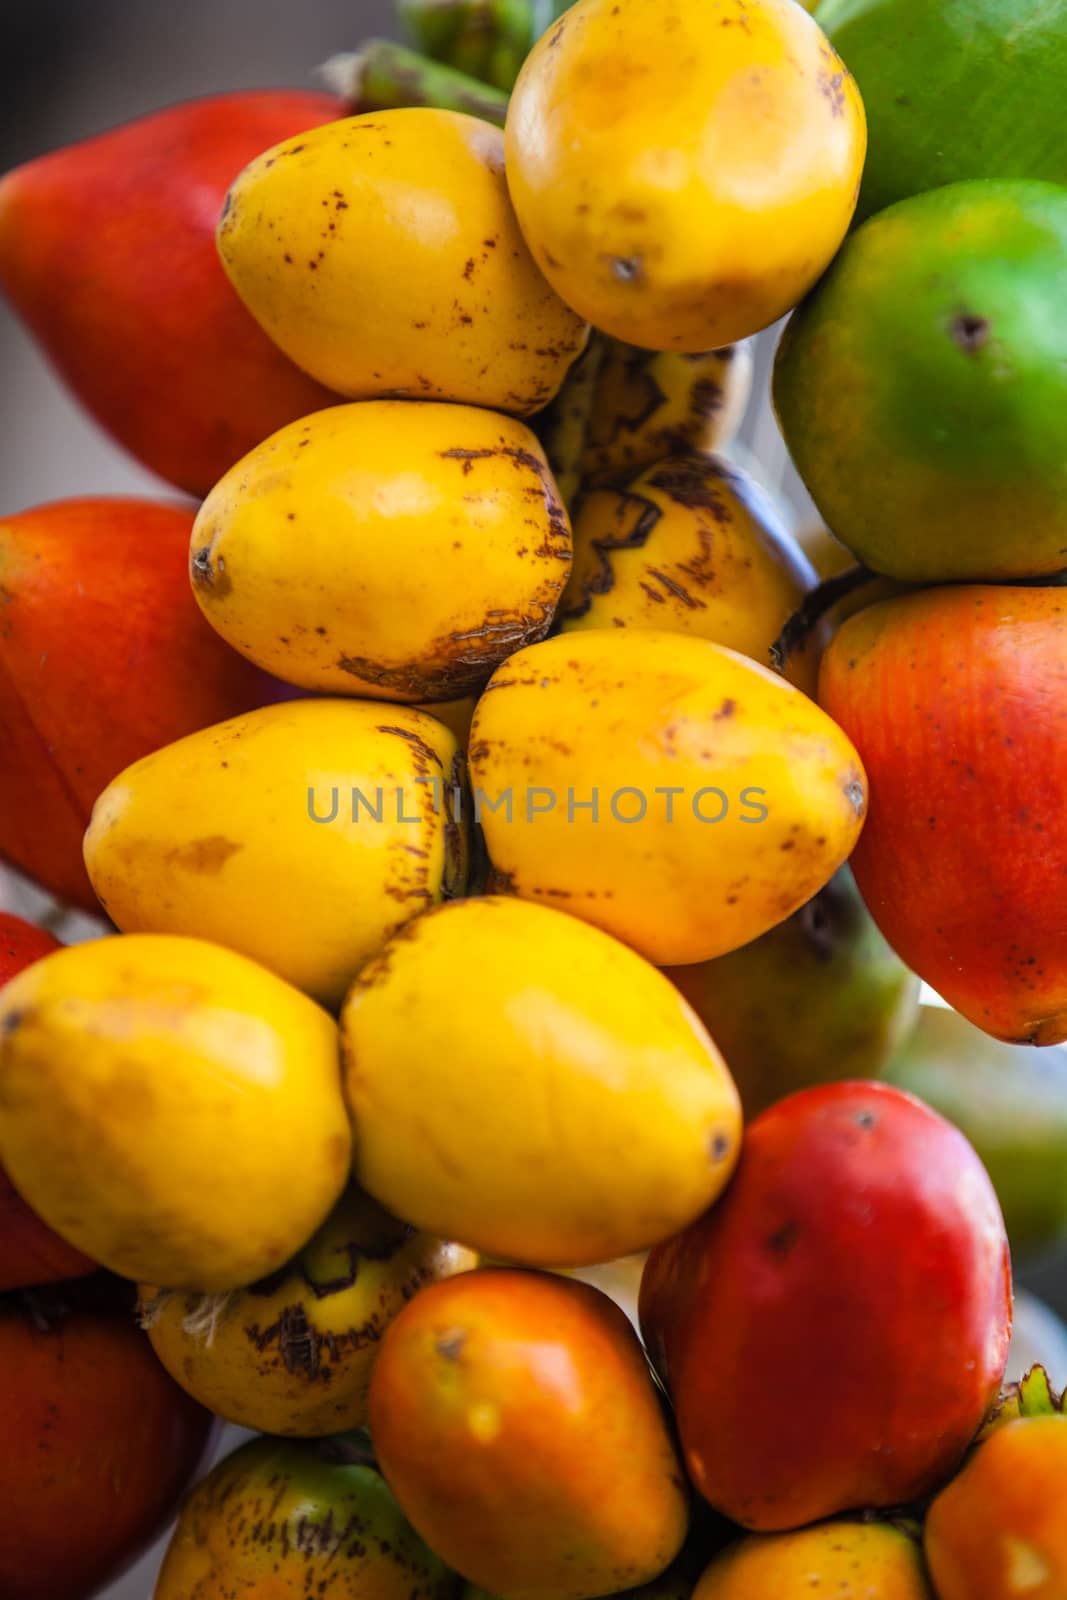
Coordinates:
[293,1520]
[820,998]
[922,386]
[954,89]
[1011,1102]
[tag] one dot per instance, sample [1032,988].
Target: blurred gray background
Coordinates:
[71,68]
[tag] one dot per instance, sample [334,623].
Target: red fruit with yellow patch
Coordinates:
[29,1251]
[956,699]
[833,1332]
[107,251]
[104,657]
[516,1422]
[99,1446]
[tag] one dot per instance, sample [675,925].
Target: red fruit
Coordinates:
[99,1446]
[29,1251]
[956,699]
[107,250]
[104,657]
[833,1332]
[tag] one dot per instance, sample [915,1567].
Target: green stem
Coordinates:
[382,75]
[488,39]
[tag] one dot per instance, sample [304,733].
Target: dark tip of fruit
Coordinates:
[450,1345]
[970,332]
[719,1148]
[866,1119]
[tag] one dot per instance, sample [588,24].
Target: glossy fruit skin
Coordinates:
[850,1560]
[99,1445]
[210,836]
[171,1108]
[599,1054]
[516,1420]
[389,549]
[819,998]
[946,695]
[334,1531]
[963,89]
[931,360]
[293,1355]
[646,162]
[725,799]
[411,205]
[107,251]
[834,1331]
[694,546]
[997,1530]
[30,1252]
[1010,1101]
[103,657]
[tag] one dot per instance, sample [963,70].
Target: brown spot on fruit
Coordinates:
[970,332]
[450,1345]
[207,856]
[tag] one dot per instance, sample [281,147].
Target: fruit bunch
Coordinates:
[518,872]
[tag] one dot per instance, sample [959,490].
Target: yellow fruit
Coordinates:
[171,1108]
[456,715]
[841,1560]
[692,546]
[662,787]
[293,1355]
[526,1085]
[301,834]
[649,404]
[382,254]
[684,172]
[386,549]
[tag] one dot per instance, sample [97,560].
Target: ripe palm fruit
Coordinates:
[997,1531]
[516,1420]
[103,657]
[30,1253]
[858,1263]
[342,811]
[170,1108]
[334,1530]
[99,1444]
[293,1354]
[947,694]
[664,788]
[692,545]
[819,998]
[388,548]
[1010,1101]
[513,1148]
[931,361]
[650,404]
[411,206]
[961,89]
[850,1560]
[684,172]
[107,250]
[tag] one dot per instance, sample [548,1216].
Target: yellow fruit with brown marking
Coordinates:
[684,172]
[665,788]
[843,1560]
[293,1354]
[303,835]
[381,253]
[287,1519]
[691,545]
[650,404]
[171,1108]
[386,549]
[498,1056]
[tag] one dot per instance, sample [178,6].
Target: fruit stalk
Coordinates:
[488,39]
[381,75]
